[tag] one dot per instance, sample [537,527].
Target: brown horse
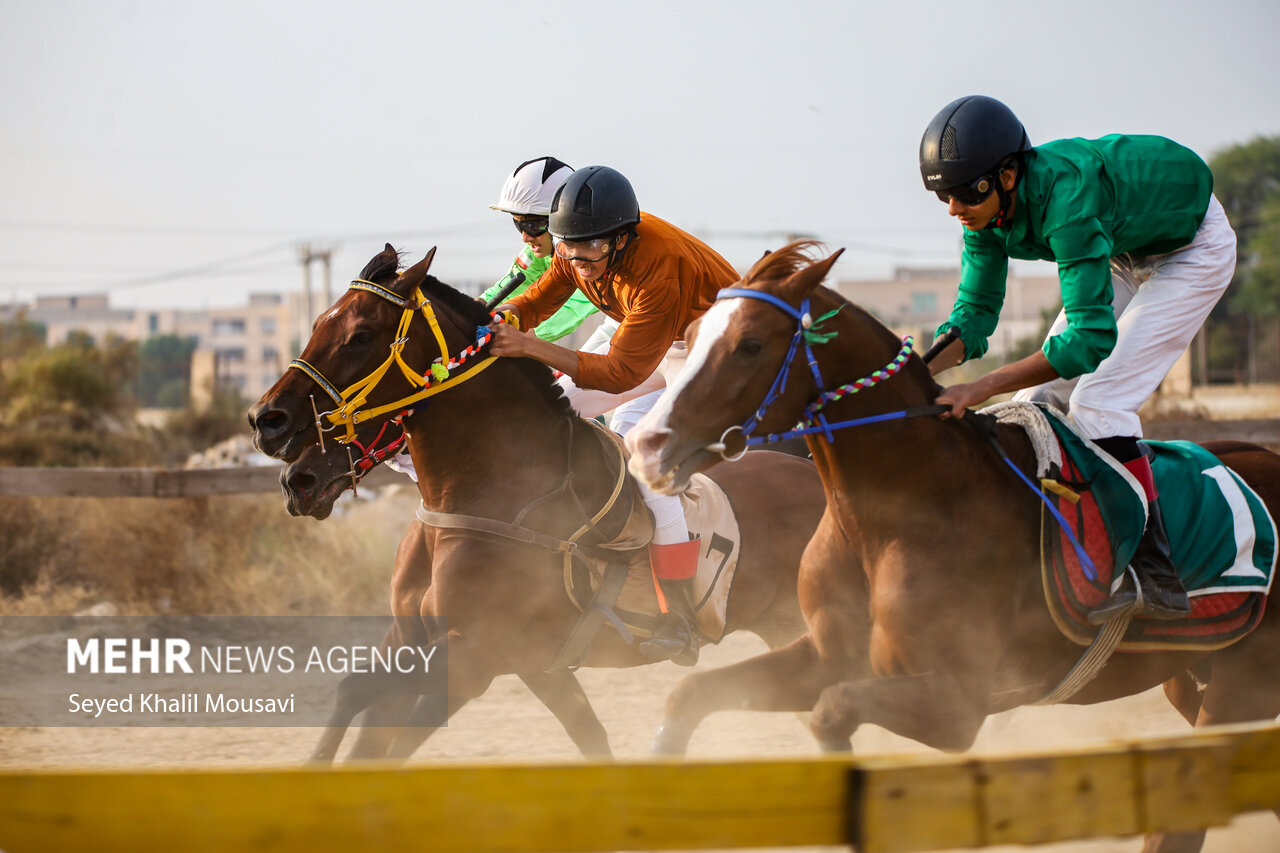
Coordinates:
[928,553]
[498,443]
[312,484]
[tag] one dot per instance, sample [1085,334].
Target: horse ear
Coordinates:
[415,275]
[802,281]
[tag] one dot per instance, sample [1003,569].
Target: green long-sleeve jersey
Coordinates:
[1080,203]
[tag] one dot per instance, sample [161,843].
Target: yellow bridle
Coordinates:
[349,411]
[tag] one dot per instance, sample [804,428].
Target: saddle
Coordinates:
[710,518]
[1222,539]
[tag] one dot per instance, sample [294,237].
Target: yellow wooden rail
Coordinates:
[882,805]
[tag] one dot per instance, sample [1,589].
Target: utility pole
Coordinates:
[308,314]
[306,254]
[326,276]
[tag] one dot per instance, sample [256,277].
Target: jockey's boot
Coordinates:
[1163,596]
[675,635]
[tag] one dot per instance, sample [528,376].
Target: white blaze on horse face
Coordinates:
[712,328]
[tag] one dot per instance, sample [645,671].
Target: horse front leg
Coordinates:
[423,722]
[356,692]
[381,726]
[788,679]
[563,695]
[560,692]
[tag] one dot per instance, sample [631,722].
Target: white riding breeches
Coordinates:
[1160,303]
[628,407]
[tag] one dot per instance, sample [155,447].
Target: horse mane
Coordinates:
[791,258]
[473,313]
[798,254]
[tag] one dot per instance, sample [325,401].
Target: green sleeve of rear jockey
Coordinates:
[568,318]
[527,263]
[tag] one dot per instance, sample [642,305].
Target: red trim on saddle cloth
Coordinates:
[1216,620]
[1140,468]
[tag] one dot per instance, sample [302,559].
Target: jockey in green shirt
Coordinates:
[1144,252]
[526,195]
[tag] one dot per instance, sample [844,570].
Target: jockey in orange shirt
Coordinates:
[652,279]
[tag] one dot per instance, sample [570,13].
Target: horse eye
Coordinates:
[361,338]
[750,346]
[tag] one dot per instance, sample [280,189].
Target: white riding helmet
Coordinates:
[528,190]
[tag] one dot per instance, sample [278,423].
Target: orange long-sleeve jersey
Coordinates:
[665,280]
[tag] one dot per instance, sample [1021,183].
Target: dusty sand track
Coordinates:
[508,723]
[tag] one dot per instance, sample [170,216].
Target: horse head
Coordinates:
[314,481]
[752,368]
[375,359]
[349,341]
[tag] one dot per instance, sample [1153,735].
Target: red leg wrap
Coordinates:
[675,562]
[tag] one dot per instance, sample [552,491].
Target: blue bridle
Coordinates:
[814,418]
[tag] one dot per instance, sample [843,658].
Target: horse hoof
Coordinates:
[672,738]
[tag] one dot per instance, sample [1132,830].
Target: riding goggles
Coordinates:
[971,194]
[532,227]
[587,251]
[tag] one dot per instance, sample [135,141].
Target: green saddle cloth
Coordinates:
[1221,536]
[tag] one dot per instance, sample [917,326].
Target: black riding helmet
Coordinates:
[968,139]
[593,202]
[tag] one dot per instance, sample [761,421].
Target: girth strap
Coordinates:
[506,530]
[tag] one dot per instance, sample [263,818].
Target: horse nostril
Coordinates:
[653,441]
[301,482]
[270,422]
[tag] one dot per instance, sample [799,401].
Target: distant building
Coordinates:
[87,313]
[251,344]
[916,300]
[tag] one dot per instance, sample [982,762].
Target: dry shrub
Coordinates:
[218,555]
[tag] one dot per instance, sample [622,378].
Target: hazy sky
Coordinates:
[143,139]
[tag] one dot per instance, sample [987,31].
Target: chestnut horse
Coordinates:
[928,553]
[497,443]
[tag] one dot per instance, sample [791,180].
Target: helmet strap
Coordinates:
[615,254]
[1003,217]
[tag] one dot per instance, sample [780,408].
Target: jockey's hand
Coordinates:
[963,396]
[1033,370]
[509,340]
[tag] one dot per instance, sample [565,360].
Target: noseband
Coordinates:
[436,378]
[814,421]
